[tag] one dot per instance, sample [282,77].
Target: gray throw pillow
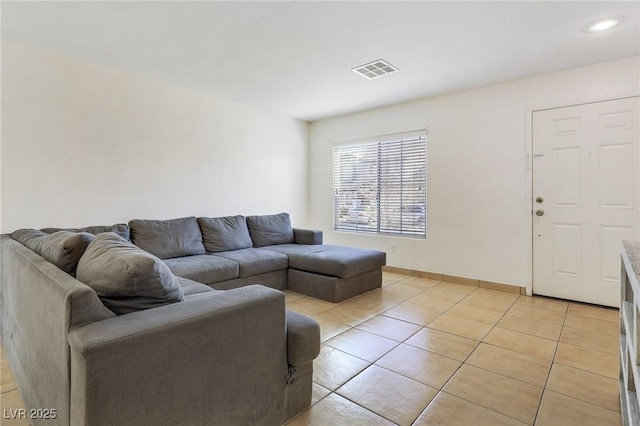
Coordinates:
[224,233]
[63,248]
[121,229]
[127,278]
[269,230]
[168,238]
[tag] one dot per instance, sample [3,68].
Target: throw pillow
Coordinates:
[269,230]
[63,248]
[125,277]
[224,233]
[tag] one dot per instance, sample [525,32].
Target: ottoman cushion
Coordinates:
[336,261]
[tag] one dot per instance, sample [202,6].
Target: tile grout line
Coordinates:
[553,361]
[464,362]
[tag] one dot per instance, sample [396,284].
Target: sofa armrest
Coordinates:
[216,359]
[307,236]
[303,338]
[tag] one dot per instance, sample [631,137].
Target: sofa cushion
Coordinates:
[270,229]
[168,238]
[63,248]
[331,260]
[190,287]
[254,261]
[121,229]
[224,233]
[204,268]
[127,278]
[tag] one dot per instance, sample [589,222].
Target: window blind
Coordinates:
[380,186]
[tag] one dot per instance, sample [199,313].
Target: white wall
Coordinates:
[83,145]
[477,196]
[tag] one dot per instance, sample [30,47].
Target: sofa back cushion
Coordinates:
[125,277]
[63,248]
[121,229]
[168,238]
[269,230]
[224,233]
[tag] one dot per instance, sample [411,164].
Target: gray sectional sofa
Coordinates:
[129,324]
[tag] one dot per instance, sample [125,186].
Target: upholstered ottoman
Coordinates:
[332,273]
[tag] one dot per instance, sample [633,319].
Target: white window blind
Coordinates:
[380,186]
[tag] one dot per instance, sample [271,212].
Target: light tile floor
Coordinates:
[423,352]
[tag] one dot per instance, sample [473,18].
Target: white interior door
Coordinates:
[585,198]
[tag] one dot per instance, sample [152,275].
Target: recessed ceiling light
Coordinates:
[604,25]
[375,69]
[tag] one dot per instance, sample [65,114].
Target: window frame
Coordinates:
[379,229]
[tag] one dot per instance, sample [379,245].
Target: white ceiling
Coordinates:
[295,57]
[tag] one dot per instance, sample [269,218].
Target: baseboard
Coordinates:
[456,280]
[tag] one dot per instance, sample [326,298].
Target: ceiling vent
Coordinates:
[375,69]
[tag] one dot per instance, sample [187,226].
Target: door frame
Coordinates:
[528,160]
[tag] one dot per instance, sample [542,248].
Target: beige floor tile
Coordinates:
[543,302]
[588,387]
[540,314]
[444,294]
[424,282]
[374,301]
[500,297]
[12,406]
[591,340]
[345,315]
[460,327]
[512,364]
[425,301]
[449,410]
[309,305]
[290,295]
[387,282]
[507,396]
[484,316]
[318,392]
[394,276]
[390,328]
[561,410]
[531,326]
[486,302]
[592,324]
[587,359]
[332,368]
[414,315]
[402,291]
[457,288]
[607,314]
[336,410]
[400,399]
[7,381]
[442,343]
[417,364]
[362,344]
[330,329]
[523,343]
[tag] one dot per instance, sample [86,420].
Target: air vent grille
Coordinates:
[375,69]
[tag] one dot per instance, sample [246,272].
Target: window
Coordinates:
[380,186]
